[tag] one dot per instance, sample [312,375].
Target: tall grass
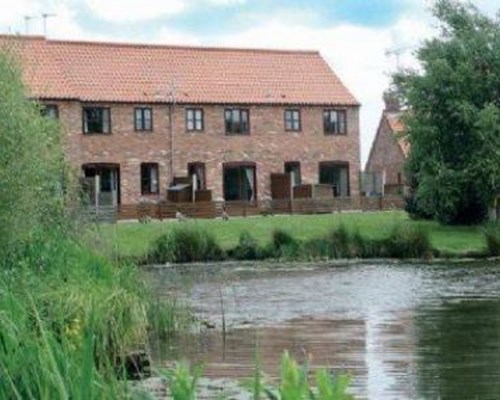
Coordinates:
[183,244]
[62,329]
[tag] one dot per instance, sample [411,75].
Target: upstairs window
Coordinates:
[194,119]
[237,121]
[143,119]
[50,111]
[335,122]
[149,179]
[292,120]
[96,120]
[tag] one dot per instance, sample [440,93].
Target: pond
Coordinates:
[403,331]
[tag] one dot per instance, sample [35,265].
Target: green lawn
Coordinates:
[133,239]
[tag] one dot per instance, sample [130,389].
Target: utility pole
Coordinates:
[45,16]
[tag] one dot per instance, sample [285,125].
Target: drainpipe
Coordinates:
[171,142]
[172,128]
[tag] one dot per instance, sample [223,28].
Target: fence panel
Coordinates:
[214,209]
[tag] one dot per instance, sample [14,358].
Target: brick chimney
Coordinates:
[391,100]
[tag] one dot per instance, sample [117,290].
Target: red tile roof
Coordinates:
[112,72]
[395,121]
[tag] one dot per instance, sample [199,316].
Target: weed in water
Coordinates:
[294,384]
[182,382]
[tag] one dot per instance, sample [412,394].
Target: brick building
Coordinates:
[389,149]
[138,116]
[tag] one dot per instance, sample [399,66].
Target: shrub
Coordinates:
[492,236]
[184,244]
[340,242]
[317,248]
[363,247]
[284,245]
[406,241]
[247,248]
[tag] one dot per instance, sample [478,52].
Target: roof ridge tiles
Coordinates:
[161,45]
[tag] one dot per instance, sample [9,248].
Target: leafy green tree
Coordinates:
[32,171]
[453,118]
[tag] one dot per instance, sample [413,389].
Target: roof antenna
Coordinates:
[27,19]
[397,52]
[45,16]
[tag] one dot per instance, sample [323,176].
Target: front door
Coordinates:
[104,182]
[239,183]
[337,175]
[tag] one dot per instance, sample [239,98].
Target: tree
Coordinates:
[32,168]
[453,117]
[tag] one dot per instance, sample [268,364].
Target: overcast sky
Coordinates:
[354,36]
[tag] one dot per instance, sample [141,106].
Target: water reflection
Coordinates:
[402,331]
[458,352]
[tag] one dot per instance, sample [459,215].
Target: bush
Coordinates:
[341,242]
[492,235]
[363,247]
[185,243]
[247,249]
[406,241]
[284,245]
[317,248]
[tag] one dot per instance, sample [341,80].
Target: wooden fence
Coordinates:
[166,210]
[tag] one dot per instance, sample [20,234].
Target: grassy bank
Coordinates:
[131,239]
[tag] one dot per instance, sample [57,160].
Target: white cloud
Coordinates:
[171,36]
[143,10]
[135,10]
[225,2]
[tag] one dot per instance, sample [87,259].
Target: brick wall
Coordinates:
[386,155]
[268,145]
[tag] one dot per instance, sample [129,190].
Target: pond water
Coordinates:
[402,331]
